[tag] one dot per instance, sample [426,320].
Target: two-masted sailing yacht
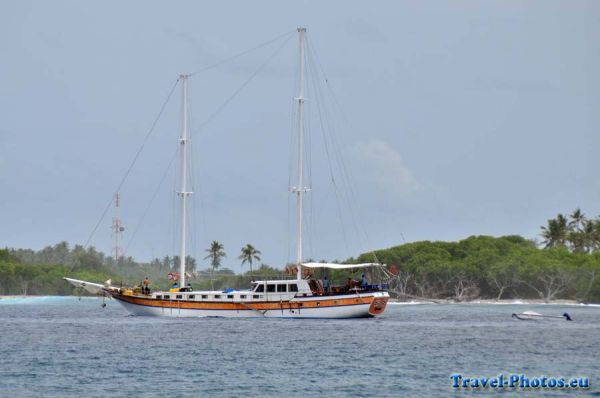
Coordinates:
[278,298]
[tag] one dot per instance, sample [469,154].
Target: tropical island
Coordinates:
[564,265]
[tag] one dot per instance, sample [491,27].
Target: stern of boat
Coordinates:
[378,304]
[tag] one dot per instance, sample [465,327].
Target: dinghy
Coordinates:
[531,315]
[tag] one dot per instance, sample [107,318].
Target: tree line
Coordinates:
[508,267]
[26,271]
[565,265]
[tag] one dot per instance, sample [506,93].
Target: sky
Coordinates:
[447,119]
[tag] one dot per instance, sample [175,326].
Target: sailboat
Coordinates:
[301,297]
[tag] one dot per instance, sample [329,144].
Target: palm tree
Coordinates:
[577,220]
[215,252]
[249,253]
[589,235]
[577,236]
[556,233]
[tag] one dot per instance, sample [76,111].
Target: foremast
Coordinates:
[300,189]
[183,193]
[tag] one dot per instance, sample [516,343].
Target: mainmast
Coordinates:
[300,189]
[183,176]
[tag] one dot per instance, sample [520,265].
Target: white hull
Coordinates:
[354,311]
[284,299]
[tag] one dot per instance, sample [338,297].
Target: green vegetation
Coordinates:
[45,275]
[494,268]
[25,271]
[507,267]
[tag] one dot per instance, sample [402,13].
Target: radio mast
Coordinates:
[117,230]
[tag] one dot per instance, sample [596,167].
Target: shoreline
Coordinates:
[495,302]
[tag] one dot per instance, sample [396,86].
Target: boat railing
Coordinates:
[339,290]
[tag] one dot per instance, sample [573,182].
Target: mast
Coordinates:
[183,194]
[300,189]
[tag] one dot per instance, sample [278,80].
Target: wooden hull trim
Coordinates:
[314,307]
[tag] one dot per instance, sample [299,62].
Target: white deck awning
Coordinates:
[340,266]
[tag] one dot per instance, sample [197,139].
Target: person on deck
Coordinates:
[325,285]
[146,286]
[350,284]
[175,285]
[363,282]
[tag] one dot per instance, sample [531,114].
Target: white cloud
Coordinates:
[381,167]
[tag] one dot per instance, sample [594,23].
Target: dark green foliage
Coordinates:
[487,267]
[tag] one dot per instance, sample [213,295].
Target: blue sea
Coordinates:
[65,347]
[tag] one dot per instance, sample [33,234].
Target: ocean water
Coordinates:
[63,347]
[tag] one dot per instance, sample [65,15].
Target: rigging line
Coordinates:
[293,116]
[240,88]
[242,53]
[193,226]
[290,171]
[324,121]
[343,172]
[175,210]
[145,213]
[333,182]
[355,218]
[307,156]
[133,162]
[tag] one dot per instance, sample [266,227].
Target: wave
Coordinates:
[409,302]
[501,302]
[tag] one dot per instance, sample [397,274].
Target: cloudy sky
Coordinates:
[448,119]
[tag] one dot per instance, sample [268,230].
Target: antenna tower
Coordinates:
[117,229]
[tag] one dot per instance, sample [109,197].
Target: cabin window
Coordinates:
[293,287]
[256,296]
[281,288]
[191,297]
[242,296]
[158,296]
[167,297]
[179,296]
[204,296]
[230,296]
[217,296]
[260,288]
[270,288]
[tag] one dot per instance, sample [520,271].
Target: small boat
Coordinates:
[531,315]
[301,297]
